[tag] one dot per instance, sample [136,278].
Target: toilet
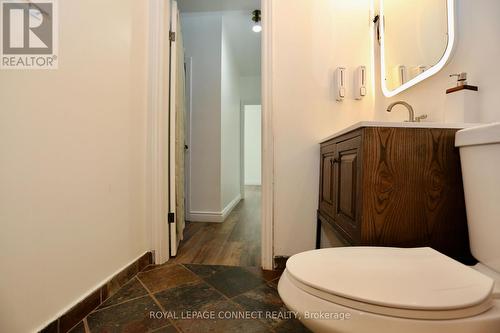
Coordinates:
[411,290]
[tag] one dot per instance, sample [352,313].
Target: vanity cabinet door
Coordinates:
[384,186]
[327,197]
[348,159]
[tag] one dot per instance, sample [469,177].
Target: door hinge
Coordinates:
[172,36]
[171,217]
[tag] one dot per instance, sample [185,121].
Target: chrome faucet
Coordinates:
[411,118]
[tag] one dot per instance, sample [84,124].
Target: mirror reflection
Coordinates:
[415,38]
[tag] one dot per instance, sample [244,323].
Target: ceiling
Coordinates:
[217,5]
[237,14]
[244,42]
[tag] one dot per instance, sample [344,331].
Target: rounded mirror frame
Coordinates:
[451,10]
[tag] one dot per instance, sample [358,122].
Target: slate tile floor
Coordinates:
[175,289]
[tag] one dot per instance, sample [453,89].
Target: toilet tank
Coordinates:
[480,159]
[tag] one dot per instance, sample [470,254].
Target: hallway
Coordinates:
[235,242]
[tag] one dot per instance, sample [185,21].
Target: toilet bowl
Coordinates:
[415,290]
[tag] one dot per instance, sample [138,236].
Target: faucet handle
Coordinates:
[422,117]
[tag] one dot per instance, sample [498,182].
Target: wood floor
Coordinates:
[235,242]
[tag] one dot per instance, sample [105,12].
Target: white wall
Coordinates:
[230,122]
[307,48]
[477,53]
[246,43]
[202,33]
[215,115]
[72,163]
[252,144]
[250,88]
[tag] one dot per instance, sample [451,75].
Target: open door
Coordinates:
[177,136]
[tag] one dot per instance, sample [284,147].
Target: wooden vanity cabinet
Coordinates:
[398,187]
[340,185]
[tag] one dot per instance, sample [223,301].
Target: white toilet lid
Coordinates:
[411,283]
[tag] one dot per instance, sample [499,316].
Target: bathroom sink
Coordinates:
[362,124]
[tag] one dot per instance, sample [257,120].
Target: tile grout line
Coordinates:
[160,328]
[81,321]
[213,287]
[159,304]
[276,279]
[162,266]
[86,325]
[230,299]
[101,300]
[265,283]
[121,303]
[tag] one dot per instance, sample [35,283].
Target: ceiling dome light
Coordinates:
[257,27]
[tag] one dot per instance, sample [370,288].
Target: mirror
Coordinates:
[416,39]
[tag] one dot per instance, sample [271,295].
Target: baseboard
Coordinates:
[218,217]
[230,206]
[204,217]
[75,313]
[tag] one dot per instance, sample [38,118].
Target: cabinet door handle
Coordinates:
[333,161]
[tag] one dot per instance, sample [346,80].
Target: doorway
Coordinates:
[220,194]
[251,146]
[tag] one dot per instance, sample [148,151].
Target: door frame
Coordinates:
[158,132]
[268,211]
[172,207]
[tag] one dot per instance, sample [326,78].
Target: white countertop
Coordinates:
[399,124]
